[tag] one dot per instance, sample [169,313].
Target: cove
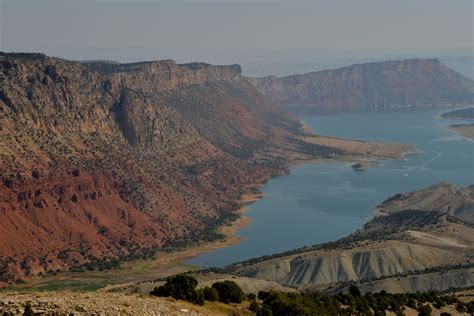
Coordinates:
[320,202]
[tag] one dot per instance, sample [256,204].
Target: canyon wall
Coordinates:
[370,87]
[104,162]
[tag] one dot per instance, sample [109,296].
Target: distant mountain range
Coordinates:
[369,87]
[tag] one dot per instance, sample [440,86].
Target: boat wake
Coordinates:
[420,166]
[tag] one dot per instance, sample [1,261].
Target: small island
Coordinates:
[360,166]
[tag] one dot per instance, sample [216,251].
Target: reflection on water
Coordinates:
[320,202]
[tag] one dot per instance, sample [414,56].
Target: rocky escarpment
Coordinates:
[418,246]
[103,162]
[370,87]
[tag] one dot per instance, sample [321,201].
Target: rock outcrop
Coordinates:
[103,162]
[442,197]
[370,87]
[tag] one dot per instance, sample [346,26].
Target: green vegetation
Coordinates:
[210,294]
[273,302]
[72,285]
[229,292]
[181,287]
[84,285]
[354,303]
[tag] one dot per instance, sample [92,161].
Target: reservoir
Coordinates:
[320,202]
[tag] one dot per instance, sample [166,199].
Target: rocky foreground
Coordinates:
[82,304]
[67,303]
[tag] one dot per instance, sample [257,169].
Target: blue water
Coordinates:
[320,202]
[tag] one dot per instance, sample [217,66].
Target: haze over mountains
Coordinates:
[103,162]
[370,87]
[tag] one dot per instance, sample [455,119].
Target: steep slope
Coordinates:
[370,87]
[406,243]
[103,162]
[332,267]
[442,197]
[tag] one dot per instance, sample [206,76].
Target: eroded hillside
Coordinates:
[413,245]
[103,162]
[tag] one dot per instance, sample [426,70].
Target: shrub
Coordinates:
[251,296]
[229,292]
[254,306]
[354,290]
[460,307]
[197,297]
[181,287]
[35,174]
[424,310]
[470,307]
[411,303]
[210,294]
[28,310]
[264,311]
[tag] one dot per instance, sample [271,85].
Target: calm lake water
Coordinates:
[321,202]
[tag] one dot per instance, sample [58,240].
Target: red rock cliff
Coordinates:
[104,162]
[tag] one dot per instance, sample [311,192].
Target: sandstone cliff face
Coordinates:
[105,162]
[370,87]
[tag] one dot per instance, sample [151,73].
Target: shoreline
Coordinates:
[464,130]
[146,270]
[229,231]
[165,264]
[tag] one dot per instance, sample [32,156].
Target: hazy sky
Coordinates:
[229,31]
